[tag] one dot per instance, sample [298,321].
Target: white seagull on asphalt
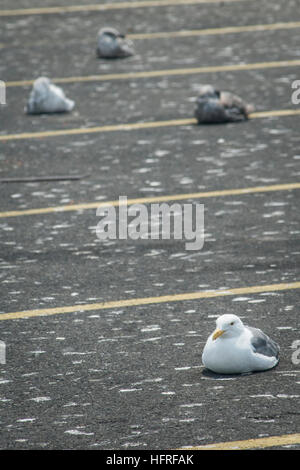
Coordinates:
[112,44]
[234,348]
[45,97]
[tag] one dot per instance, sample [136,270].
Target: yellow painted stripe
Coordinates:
[259,443]
[196,32]
[90,130]
[107,6]
[134,126]
[166,72]
[215,31]
[154,199]
[150,300]
[279,113]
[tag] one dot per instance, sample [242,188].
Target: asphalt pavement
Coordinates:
[102,339]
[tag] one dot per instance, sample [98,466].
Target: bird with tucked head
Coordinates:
[111,44]
[214,106]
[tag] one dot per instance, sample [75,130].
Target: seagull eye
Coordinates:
[232,323]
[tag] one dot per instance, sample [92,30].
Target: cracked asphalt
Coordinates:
[130,377]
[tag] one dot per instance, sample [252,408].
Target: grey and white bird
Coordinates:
[45,97]
[214,106]
[234,348]
[111,44]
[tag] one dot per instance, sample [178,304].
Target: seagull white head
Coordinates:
[229,326]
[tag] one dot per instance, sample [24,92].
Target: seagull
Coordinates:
[234,348]
[214,106]
[45,97]
[112,44]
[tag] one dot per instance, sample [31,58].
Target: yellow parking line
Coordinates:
[134,126]
[215,31]
[89,130]
[167,72]
[279,113]
[154,199]
[198,32]
[106,6]
[259,443]
[150,300]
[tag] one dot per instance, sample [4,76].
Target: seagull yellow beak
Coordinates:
[217,333]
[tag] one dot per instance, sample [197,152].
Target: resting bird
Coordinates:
[112,44]
[234,348]
[214,106]
[46,97]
